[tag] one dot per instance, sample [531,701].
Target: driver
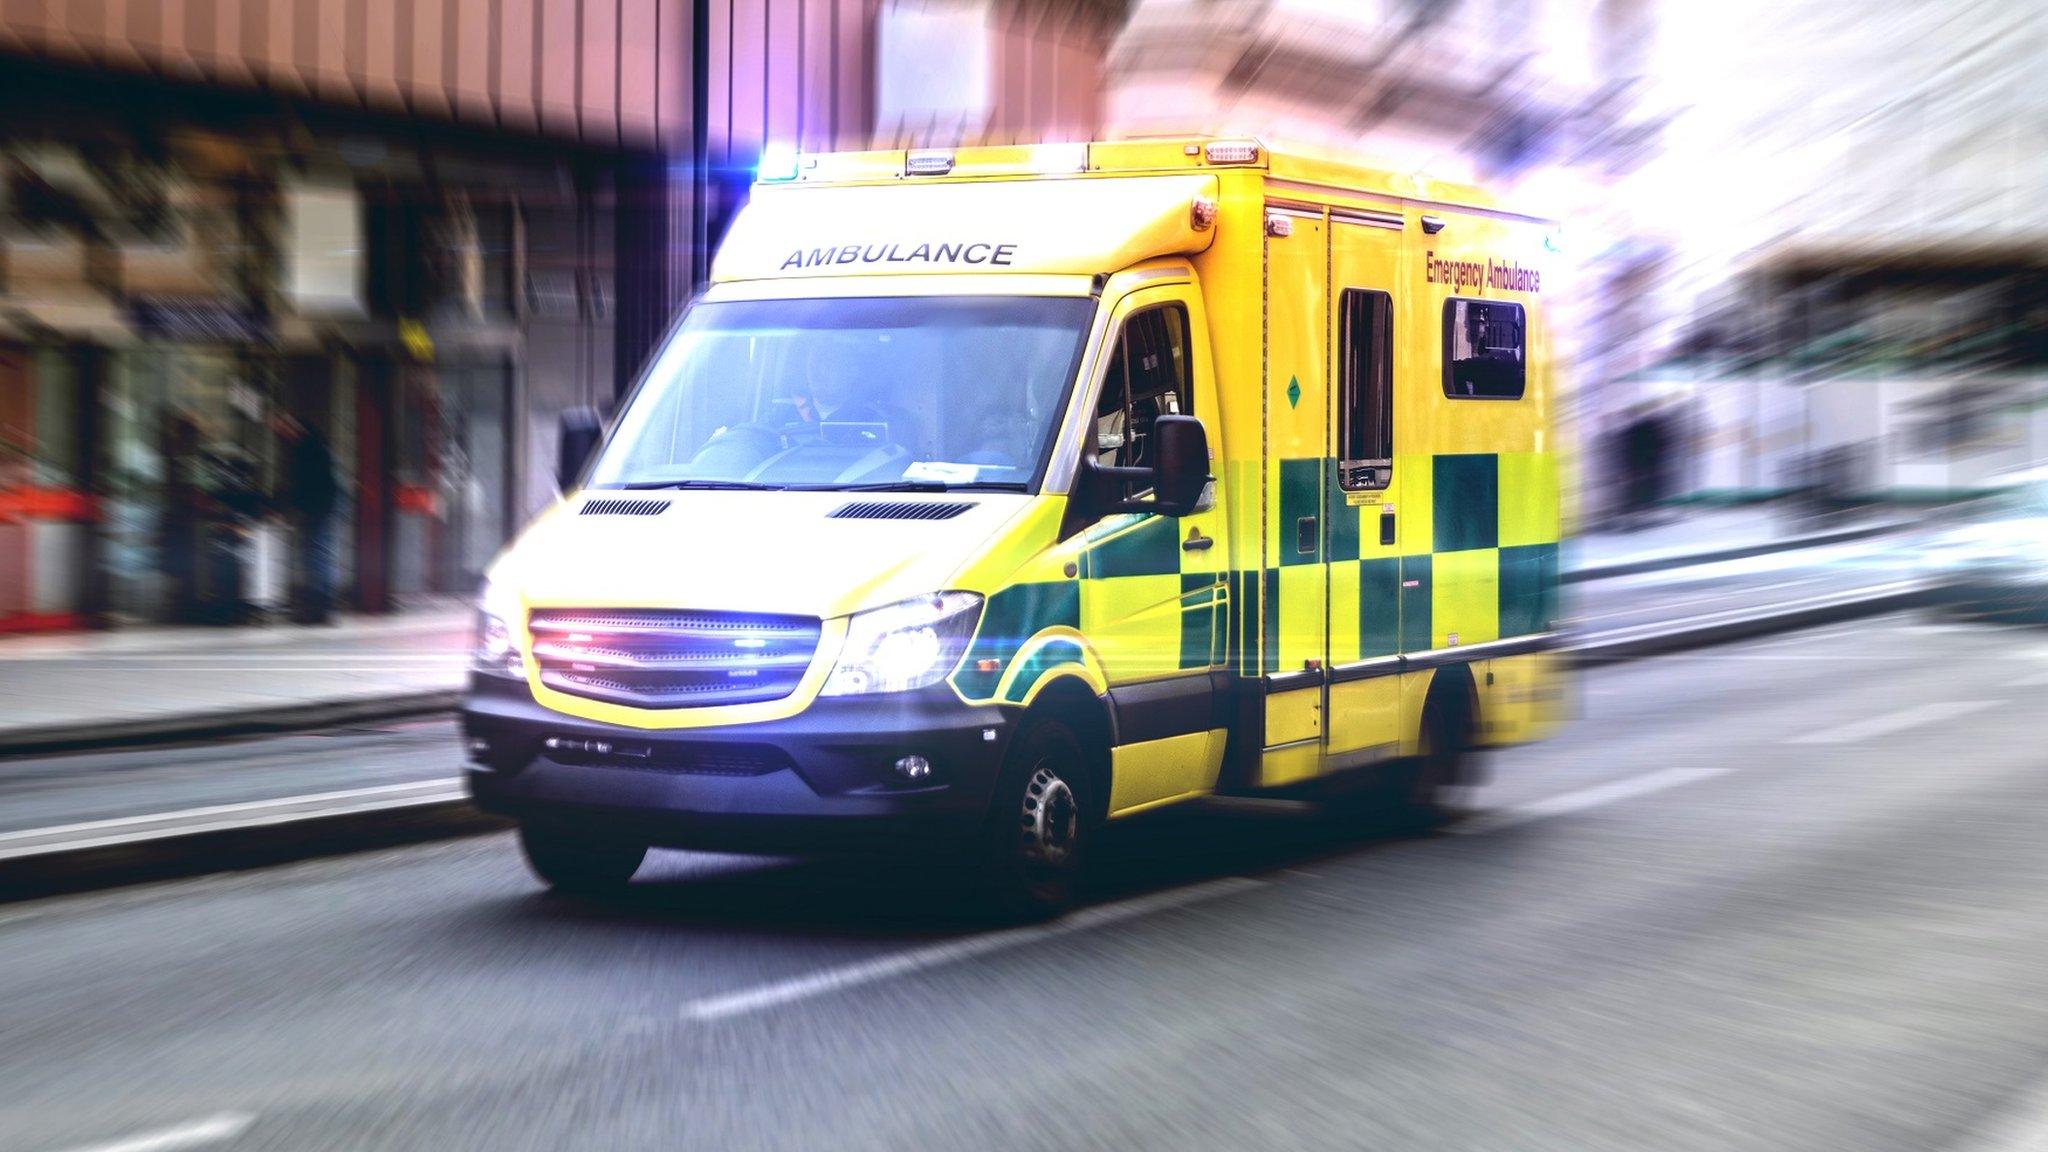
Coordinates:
[832,392]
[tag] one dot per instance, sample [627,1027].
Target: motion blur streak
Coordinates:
[199,1133]
[296,295]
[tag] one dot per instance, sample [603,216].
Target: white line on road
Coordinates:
[830,980]
[1932,712]
[211,1130]
[1584,798]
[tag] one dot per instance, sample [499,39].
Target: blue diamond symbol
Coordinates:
[1293,391]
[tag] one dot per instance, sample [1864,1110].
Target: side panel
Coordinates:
[1480,532]
[1159,771]
[1521,698]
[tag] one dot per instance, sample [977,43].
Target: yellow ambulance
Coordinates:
[990,495]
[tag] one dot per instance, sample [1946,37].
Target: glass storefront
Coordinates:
[184,466]
[44,518]
[180,302]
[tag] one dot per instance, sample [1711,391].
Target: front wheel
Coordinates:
[1039,821]
[579,863]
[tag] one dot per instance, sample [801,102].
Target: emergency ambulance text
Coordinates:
[1462,274]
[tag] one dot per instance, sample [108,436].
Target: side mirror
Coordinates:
[580,432]
[1183,469]
[1181,446]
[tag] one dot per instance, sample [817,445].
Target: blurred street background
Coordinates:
[293,293]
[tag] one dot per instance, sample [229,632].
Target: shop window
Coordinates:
[1148,377]
[1485,350]
[323,248]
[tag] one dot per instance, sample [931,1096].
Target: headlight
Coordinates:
[906,645]
[496,653]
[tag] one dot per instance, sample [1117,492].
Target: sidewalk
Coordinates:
[159,683]
[138,682]
[1690,532]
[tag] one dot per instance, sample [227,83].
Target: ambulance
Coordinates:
[990,496]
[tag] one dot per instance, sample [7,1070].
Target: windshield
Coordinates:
[908,392]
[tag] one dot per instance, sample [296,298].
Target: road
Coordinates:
[1786,894]
[47,791]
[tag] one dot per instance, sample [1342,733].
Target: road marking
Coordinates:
[766,996]
[1930,713]
[1593,797]
[211,1130]
[2022,1127]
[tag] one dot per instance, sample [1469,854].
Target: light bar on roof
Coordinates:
[1048,159]
[778,162]
[1231,151]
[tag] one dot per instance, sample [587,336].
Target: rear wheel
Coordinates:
[1430,790]
[579,863]
[1039,820]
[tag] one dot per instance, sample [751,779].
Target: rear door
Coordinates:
[1294,603]
[1365,527]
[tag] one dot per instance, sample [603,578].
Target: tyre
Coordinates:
[579,863]
[1039,822]
[1428,794]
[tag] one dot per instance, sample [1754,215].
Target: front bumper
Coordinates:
[819,781]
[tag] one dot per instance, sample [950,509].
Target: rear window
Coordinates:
[1485,350]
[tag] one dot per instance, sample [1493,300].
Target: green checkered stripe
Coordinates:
[1465,514]
[1221,618]
[1115,551]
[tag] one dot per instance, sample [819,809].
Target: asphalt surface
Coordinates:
[48,791]
[1786,894]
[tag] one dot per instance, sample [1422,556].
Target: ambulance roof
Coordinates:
[1045,208]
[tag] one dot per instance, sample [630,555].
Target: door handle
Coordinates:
[1196,542]
[1305,535]
[1387,526]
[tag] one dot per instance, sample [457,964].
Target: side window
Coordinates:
[1148,377]
[1365,400]
[1485,350]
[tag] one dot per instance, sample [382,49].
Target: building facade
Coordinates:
[1856,216]
[420,228]
[1547,102]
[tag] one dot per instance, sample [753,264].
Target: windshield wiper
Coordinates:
[916,486]
[700,485]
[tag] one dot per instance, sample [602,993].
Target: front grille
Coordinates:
[664,659]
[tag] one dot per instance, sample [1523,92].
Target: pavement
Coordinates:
[131,685]
[1682,536]
[1785,894]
